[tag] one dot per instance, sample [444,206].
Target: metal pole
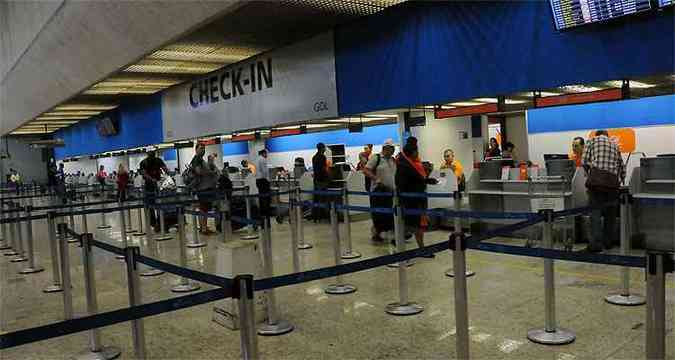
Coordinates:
[656,305]
[53,249]
[461,298]
[247,334]
[457,224]
[250,234]
[226,221]
[65,273]
[71,225]
[300,216]
[163,234]
[339,287]
[399,231]
[130,224]
[12,234]
[151,243]
[103,224]
[21,256]
[625,297]
[4,244]
[551,334]
[30,268]
[347,253]
[135,299]
[96,350]
[274,325]
[185,285]
[123,232]
[403,306]
[196,241]
[140,231]
[292,216]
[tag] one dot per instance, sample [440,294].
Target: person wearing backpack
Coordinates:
[381,169]
[204,184]
[151,169]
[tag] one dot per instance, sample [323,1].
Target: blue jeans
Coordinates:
[604,206]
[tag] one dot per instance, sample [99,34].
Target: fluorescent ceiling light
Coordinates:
[466,103]
[506,101]
[84,107]
[53,123]
[579,88]
[71,113]
[49,117]
[393,116]
[433,107]
[633,84]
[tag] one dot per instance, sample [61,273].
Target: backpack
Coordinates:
[189,177]
[377,163]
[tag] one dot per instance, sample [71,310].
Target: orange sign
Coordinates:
[625,138]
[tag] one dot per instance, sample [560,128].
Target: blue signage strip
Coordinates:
[235,148]
[370,135]
[658,110]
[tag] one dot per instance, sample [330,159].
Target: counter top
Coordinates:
[654,196]
[517,193]
[520,181]
[660,181]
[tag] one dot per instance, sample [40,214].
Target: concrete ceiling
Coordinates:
[89,56]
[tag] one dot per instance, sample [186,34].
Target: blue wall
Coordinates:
[658,110]
[140,125]
[435,52]
[370,135]
[235,148]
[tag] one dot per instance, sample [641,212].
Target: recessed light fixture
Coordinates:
[633,84]
[466,103]
[579,88]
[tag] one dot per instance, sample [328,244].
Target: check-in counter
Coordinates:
[653,188]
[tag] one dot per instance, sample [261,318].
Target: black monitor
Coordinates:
[548,157]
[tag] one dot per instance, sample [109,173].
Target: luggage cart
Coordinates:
[548,193]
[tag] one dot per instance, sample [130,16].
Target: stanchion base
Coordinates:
[350,255]
[163,237]
[408,263]
[281,327]
[451,273]
[5,247]
[248,237]
[52,289]
[105,353]
[195,245]
[340,289]
[305,246]
[403,310]
[19,259]
[120,257]
[101,227]
[558,337]
[625,300]
[183,288]
[151,272]
[33,270]
[73,240]
[138,234]
[11,253]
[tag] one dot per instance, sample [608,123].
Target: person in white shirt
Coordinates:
[381,169]
[262,181]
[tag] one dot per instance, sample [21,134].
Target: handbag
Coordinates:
[602,180]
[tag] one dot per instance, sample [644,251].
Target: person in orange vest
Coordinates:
[577,153]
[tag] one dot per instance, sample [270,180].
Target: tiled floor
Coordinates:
[506,298]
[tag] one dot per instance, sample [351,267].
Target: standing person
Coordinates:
[205,184]
[262,181]
[577,153]
[493,149]
[247,166]
[381,169]
[122,183]
[452,164]
[321,179]
[364,156]
[60,179]
[412,177]
[51,174]
[604,167]
[509,148]
[151,169]
[101,176]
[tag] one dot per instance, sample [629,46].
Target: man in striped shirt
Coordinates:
[602,157]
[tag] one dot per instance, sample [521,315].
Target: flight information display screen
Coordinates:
[666,2]
[571,13]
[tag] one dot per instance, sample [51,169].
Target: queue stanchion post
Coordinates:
[4,243]
[399,211]
[339,287]
[196,240]
[299,213]
[96,350]
[658,264]
[458,247]
[31,266]
[71,225]
[292,217]
[250,232]
[21,254]
[123,232]
[65,273]
[163,234]
[457,225]
[141,231]
[103,224]
[135,299]
[551,334]
[625,297]
[274,324]
[54,252]
[151,244]
[404,306]
[226,220]
[85,223]
[243,292]
[8,235]
[12,234]
[184,285]
[130,224]
[348,252]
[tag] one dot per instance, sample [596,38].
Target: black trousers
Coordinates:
[264,201]
[604,206]
[382,222]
